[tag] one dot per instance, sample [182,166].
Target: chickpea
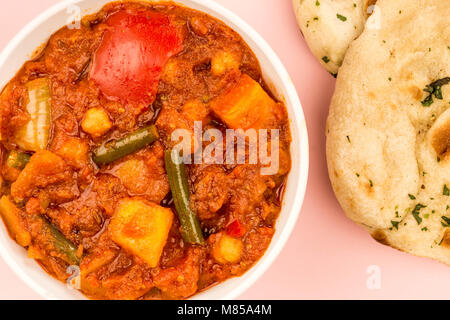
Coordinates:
[228,249]
[96,122]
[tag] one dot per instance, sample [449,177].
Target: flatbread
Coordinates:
[388,140]
[329,26]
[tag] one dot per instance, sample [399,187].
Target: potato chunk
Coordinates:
[11,216]
[142,228]
[195,110]
[74,151]
[44,170]
[96,122]
[222,62]
[228,249]
[244,105]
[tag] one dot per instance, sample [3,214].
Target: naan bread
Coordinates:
[388,139]
[329,26]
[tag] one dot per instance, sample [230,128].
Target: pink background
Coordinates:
[328,255]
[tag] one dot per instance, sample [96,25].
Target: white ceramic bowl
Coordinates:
[39,30]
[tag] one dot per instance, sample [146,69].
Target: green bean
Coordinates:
[176,171]
[131,143]
[17,159]
[66,248]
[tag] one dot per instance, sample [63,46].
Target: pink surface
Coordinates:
[327,256]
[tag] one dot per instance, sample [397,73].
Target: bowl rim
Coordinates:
[298,117]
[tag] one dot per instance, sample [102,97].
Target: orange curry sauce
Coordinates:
[117,221]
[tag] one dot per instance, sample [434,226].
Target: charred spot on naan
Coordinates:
[416,93]
[439,136]
[368,187]
[380,236]
[367,6]
[446,240]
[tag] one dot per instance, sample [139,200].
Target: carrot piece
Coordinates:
[244,105]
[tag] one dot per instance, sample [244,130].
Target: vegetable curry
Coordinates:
[90,176]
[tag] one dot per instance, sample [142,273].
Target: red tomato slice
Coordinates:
[235,229]
[134,49]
